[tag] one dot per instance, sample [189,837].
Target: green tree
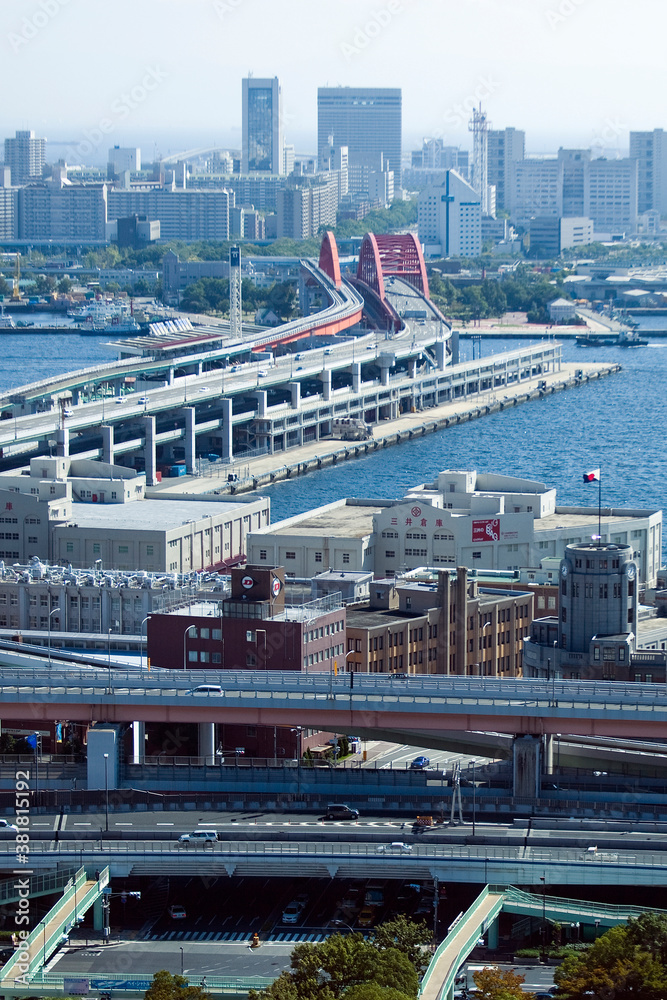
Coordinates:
[373,991]
[327,971]
[281,297]
[649,932]
[407,936]
[166,986]
[613,967]
[494,984]
[64,286]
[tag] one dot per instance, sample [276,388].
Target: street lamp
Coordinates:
[185,637]
[141,646]
[181,951]
[106,791]
[51,613]
[109,689]
[543,880]
[341,923]
[474,801]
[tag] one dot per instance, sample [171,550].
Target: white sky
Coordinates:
[570,72]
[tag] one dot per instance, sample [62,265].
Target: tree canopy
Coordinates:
[625,963]
[386,967]
[494,984]
[166,986]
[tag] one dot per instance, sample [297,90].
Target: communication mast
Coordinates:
[479,126]
[235,314]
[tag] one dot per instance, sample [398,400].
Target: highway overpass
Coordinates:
[424,705]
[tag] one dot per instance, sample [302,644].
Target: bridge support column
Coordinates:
[150,456]
[385,365]
[98,913]
[190,443]
[107,444]
[102,757]
[492,936]
[295,389]
[441,354]
[260,396]
[207,741]
[412,368]
[526,768]
[138,742]
[62,443]
[455,347]
[326,384]
[169,375]
[548,754]
[226,430]
[356,376]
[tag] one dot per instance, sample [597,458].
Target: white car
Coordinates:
[398,847]
[142,400]
[292,912]
[8,827]
[207,689]
[177,912]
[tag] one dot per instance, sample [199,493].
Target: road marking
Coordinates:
[78,823]
[167,824]
[122,824]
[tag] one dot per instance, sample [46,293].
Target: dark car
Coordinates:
[341,812]
[419,763]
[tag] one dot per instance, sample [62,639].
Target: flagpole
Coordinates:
[600,509]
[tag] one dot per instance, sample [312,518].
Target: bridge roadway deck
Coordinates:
[366,702]
[343,860]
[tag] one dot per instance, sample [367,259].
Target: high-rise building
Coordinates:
[649,149]
[262,127]
[122,158]
[368,120]
[25,155]
[504,147]
[61,211]
[450,218]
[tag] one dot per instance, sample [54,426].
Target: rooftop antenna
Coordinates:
[479,126]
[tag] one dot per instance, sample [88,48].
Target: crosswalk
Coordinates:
[310,937]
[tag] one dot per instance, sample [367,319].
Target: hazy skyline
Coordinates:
[166,74]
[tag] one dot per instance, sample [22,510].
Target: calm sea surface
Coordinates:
[617,424]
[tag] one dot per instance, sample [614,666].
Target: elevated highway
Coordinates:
[363,703]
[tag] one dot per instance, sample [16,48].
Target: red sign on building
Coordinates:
[486,531]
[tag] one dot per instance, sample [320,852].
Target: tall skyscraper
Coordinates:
[505,146]
[650,151]
[263,140]
[25,155]
[368,120]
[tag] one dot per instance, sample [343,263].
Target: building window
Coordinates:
[596,652]
[346,557]
[390,554]
[70,547]
[250,660]
[318,557]
[149,550]
[477,555]
[250,636]
[192,655]
[290,555]
[122,549]
[262,554]
[216,658]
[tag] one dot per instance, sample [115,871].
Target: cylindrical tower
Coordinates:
[598,594]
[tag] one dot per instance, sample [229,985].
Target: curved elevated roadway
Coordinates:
[418,705]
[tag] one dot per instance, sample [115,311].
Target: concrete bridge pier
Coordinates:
[548,751]
[108,454]
[138,742]
[207,741]
[190,442]
[150,454]
[62,442]
[492,938]
[260,396]
[412,367]
[455,347]
[526,766]
[326,384]
[441,354]
[356,376]
[226,429]
[295,390]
